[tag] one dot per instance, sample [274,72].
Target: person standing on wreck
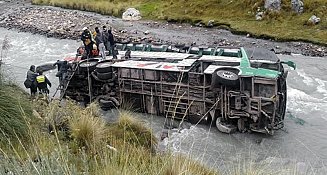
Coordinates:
[112,44]
[100,43]
[105,35]
[87,39]
[62,71]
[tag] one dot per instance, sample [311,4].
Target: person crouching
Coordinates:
[42,83]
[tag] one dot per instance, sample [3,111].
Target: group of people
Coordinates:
[35,80]
[98,42]
[94,44]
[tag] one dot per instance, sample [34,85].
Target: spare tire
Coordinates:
[104,76]
[86,65]
[104,67]
[106,102]
[224,77]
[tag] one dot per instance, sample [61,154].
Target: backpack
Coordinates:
[27,83]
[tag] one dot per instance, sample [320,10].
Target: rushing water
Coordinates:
[301,146]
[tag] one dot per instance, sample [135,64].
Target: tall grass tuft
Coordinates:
[15,111]
[132,131]
[88,131]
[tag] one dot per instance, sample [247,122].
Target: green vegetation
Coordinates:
[238,16]
[14,112]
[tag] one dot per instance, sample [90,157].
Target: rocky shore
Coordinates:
[67,24]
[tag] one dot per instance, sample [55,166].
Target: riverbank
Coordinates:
[38,137]
[238,16]
[64,23]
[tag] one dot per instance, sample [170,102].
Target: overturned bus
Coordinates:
[232,88]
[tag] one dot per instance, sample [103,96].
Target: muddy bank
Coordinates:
[63,23]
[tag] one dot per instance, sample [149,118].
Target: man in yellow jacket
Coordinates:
[42,82]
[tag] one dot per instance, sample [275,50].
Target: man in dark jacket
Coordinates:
[100,42]
[105,35]
[31,80]
[62,71]
[88,42]
[42,83]
[112,45]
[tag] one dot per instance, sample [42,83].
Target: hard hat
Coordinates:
[84,28]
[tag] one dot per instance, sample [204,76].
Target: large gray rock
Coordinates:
[314,20]
[273,5]
[297,6]
[131,14]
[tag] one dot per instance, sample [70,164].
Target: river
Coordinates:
[299,148]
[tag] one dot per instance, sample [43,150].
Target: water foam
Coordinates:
[306,79]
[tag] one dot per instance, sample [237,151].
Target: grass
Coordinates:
[14,112]
[238,16]
[69,139]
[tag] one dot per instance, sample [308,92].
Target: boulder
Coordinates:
[131,14]
[314,20]
[273,5]
[297,6]
[259,16]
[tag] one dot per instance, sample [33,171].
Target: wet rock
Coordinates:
[131,14]
[313,20]
[273,5]
[259,16]
[297,6]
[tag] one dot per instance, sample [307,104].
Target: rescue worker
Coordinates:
[88,41]
[105,37]
[62,71]
[112,45]
[30,81]
[100,43]
[42,83]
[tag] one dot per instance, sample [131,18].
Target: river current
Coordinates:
[299,148]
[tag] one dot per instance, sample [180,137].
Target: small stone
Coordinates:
[259,16]
[211,23]
[314,20]
[146,32]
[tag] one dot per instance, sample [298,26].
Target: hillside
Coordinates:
[238,16]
